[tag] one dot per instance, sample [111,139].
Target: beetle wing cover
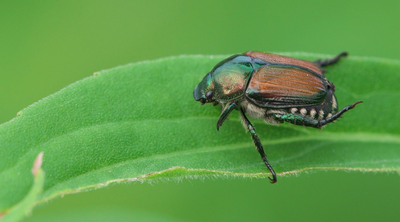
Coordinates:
[279,59]
[280,86]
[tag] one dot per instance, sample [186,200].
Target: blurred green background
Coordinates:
[46,45]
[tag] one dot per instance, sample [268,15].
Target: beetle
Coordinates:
[274,88]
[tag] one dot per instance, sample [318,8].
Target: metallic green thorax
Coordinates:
[227,81]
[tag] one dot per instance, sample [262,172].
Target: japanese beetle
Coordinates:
[274,88]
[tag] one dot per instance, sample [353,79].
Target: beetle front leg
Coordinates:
[258,144]
[225,113]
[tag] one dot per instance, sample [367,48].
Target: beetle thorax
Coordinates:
[228,87]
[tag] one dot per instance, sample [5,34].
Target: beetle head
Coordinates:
[226,81]
[204,90]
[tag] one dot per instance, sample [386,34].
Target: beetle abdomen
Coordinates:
[322,111]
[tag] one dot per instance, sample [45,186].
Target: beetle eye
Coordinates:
[209,95]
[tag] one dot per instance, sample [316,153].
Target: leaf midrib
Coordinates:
[355,137]
[325,136]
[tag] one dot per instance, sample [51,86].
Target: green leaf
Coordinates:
[140,122]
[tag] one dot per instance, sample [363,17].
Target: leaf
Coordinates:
[140,122]
[17,212]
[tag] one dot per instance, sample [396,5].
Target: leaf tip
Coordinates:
[37,164]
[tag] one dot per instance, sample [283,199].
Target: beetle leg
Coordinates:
[258,144]
[336,115]
[328,62]
[296,119]
[225,113]
[306,121]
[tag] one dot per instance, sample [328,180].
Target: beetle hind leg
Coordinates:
[298,119]
[327,62]
[336,115]
[258,145]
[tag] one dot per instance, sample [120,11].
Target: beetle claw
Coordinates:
[354,104]
[273,180]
